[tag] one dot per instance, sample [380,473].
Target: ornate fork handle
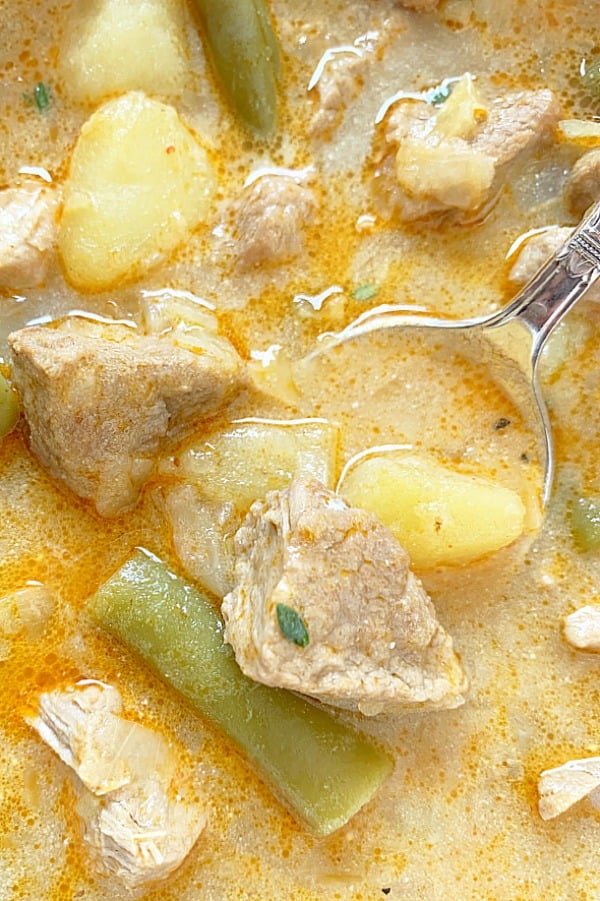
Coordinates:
[559,283]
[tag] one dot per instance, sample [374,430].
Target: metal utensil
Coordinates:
[509,343]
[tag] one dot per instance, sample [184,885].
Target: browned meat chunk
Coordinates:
[435,159]
[373,638]
[27,234]
[102,402]
[270,219]
[137,821]
[562,787]
[582,187]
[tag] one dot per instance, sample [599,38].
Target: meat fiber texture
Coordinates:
[374,640]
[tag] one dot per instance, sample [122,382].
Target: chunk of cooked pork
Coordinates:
[27,234]
[137,821]
[101,402]
[272,214]
[582,629]
[338,83]
[582,185]
[562,787]
[452,156]
[374,640]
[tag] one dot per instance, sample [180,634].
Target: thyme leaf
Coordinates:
[365,292]
[292,625]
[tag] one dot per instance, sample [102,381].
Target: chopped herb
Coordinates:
[41,95]
[292,625]
[365,292]
[439,95]
[501,423]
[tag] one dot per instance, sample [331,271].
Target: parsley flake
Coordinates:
[365,292]
[439,95]
[292,625]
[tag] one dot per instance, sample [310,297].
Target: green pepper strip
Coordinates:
[321,768]
[244,51]
[9,408]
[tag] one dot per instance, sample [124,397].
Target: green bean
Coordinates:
[243,48]
[590,78]
[320,767]
[9,408]
[585,522]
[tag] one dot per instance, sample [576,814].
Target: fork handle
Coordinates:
[560,283]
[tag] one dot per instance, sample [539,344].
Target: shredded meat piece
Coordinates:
[562,787]
[139,822]
[27,234]
[270,219]
[339,83]
[101,403]
[375,642]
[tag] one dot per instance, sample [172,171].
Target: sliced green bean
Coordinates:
[585,522]
[590,78]
[9,408]
[244,50]
[322,769]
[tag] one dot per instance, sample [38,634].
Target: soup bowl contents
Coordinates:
[279,615]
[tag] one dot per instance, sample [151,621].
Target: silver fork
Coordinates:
[510,342]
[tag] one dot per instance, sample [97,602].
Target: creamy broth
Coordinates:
[458,818]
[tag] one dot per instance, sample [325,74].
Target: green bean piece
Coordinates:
[585,522]
[320,767]
[9,408]
[244,50]
[590,78]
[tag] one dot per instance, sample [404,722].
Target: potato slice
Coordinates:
[139,182]
[439,515]
[124,45]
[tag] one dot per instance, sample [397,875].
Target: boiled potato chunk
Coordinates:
[248,459]
[122,45]
[138,183]
[439,515]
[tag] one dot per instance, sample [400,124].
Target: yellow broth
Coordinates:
[458,819]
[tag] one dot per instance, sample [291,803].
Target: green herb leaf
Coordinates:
[365,292]
[292,625]
[439,95]
[41,96]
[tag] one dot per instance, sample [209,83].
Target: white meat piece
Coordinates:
[270,219]
[27,234]
[455,172]
[562,787]
[137,821]
[582,185]
[338,84]
[582,629]
[141,833]
[83,726]
[102,402]
[375,642]
[516,123]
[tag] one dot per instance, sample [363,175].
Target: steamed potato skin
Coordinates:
[441,517]
[139,182]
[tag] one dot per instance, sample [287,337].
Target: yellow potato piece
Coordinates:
[439,515]
[138,183]
[123,45]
